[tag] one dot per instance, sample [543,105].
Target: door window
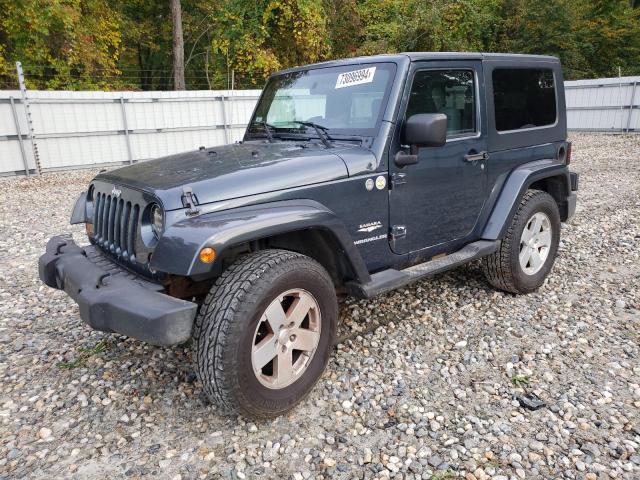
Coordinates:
[451,92]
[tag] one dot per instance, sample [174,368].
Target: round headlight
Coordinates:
[157,219]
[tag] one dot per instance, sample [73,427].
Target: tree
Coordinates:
[62,44]
[609,37]
[137,44]
[178,46]
[254,39]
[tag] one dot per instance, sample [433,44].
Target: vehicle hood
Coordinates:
[231,171]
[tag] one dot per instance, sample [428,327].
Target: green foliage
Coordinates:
[69,42]
[520,381]
[255,39]
[83,355]
[126,44]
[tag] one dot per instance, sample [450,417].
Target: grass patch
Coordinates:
[444,475]
[84,354]
[520,381]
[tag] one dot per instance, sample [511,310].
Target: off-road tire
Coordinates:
[502,268]
[226,323]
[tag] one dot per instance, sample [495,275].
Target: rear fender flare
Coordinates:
[177,251]
[515,187]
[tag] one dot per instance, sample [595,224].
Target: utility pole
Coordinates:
[178,46]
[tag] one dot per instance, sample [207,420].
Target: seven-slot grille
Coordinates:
[115,225]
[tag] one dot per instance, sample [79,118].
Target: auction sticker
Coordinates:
[357,77]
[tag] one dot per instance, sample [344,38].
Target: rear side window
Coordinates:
[523,98]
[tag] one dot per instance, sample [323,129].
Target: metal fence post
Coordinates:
[631,105]
[224,120]
[126,129]
[19,132]
[27,111]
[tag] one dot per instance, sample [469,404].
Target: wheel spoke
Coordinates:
[283,368]
[305,340]
[275,315]
[537,224]
[299,309]
[525,254]
[264,352]
[535,259]
[544,238]
[527,233]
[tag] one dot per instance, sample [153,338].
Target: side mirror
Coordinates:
[422,130]
[426,130]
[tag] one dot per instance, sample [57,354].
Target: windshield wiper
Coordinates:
[320,130]
[267,130]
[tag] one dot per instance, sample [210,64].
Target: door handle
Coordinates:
[474,157]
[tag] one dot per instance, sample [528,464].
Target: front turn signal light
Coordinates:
[89,228]
[207,255]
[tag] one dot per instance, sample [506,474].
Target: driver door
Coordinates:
[437,202]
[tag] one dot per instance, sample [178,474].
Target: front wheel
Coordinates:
[264,334]
[529,247]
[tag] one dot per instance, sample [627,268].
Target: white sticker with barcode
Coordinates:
[357,77]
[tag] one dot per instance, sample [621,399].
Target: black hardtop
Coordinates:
[426,56]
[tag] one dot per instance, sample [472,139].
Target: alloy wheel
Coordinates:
[535,243]
[286,339]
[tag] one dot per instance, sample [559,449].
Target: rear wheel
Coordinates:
[529,247]
[264,334]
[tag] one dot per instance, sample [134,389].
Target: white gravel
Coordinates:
[421,385]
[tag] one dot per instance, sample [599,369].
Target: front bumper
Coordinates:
[112,299]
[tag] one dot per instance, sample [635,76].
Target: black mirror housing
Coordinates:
[426,130]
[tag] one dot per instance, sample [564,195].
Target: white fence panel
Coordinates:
[604,105]
[11,158]
[81,129]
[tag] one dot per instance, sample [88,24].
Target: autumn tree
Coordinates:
[254,39]
[116,44]
[71,44]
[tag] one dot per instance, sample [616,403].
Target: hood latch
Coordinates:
[189,201]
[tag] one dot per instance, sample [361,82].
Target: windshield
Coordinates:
[345,100]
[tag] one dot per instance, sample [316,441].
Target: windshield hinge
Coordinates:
[189,201]
[398,179]
[396,232]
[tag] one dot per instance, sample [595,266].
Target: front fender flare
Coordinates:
[80,212]
[515,187]
[177,251]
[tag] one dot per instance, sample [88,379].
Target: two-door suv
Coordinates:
[354,177]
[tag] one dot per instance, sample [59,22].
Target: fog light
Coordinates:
[207,255]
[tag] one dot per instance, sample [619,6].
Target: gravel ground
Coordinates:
[420,386]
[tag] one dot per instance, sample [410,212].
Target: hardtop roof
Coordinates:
[425,56]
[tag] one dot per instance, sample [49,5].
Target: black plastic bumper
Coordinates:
[572,199]
[114,302]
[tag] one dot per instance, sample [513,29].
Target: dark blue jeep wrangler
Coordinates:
[355,176]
